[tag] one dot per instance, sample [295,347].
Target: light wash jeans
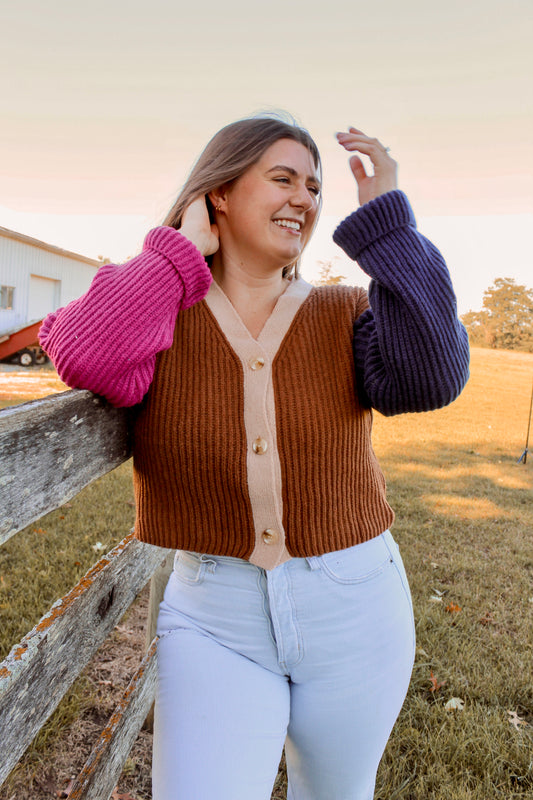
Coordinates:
[316,654]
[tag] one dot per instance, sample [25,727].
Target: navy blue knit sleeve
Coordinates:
[411,351]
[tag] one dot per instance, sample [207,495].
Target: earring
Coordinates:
[218,207]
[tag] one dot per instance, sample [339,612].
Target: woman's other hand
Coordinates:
[384,178]
[197,227]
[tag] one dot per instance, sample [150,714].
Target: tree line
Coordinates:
[505,321]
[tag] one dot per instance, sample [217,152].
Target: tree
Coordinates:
[326,277]
[506,319]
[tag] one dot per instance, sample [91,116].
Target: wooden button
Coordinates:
[269,536]
[260,446]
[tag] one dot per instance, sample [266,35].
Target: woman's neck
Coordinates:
[242,281]
[253,293]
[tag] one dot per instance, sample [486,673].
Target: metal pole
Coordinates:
[523,457]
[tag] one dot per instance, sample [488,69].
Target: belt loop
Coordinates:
[313,561]
[210,563]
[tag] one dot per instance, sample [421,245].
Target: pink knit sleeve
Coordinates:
[107,340]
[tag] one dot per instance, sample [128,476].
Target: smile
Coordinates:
[288,223]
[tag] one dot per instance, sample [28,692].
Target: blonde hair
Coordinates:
[231,151]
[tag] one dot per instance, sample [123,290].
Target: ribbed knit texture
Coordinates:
[410,353]
[411,347]
[190,442]
[333,487]
[107,340]
[189,445]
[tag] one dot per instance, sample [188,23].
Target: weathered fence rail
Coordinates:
[50,449]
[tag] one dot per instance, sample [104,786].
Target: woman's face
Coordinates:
[269,212]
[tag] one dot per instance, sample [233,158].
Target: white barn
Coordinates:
[36,278]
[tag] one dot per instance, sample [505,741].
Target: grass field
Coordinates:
[19,384]
[465,526]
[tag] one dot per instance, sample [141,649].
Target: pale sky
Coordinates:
[107,104]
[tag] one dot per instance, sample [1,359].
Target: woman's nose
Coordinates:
[303,198]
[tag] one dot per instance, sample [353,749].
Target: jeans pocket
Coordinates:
[356,564]
[398,563]
[190,568]
[396,557]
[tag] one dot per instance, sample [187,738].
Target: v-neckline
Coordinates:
[275,327]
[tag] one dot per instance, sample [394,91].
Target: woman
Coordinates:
[287,617]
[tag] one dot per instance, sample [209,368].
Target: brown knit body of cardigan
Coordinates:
[190,449]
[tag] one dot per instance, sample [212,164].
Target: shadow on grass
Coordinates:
[452,483]
[464,522]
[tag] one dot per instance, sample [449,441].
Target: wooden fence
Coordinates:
[50,449]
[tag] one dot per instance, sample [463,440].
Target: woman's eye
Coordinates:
[282,180]
[314,190]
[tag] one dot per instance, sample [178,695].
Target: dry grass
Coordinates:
[465,525]
[22,384]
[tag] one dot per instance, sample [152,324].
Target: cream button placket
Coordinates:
[260,446]
[257,362]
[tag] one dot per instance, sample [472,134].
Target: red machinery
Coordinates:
[22,344]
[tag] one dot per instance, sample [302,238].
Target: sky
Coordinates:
[107,105]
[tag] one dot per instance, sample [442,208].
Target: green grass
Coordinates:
[41,563]
[465,526]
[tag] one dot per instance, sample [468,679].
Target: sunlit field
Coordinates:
[464,522]
[465,526]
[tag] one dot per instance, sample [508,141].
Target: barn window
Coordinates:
[6,298]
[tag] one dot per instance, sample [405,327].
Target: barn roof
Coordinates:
[21,237]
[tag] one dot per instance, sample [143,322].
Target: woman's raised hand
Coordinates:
[197,227]
[384,178]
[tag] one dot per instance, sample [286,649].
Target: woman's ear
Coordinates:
[217,198]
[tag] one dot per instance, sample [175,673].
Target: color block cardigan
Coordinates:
[195,457]
[410,353]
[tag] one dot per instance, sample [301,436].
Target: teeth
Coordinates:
[287,223]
